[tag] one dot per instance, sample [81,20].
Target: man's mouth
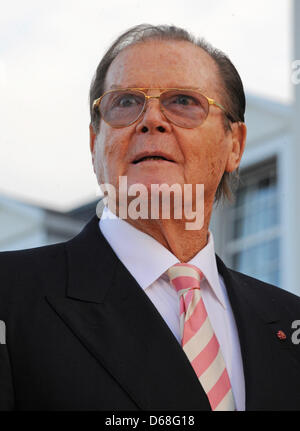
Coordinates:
[151,157]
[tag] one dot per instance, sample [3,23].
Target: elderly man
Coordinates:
[137,313]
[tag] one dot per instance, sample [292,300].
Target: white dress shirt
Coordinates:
[147,261]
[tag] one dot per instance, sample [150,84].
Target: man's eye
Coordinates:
[184,100]
[125,101]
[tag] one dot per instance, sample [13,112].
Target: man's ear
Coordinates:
[238,142]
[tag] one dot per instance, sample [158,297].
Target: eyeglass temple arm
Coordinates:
[213,102]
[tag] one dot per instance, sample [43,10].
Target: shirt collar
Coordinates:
[147,260]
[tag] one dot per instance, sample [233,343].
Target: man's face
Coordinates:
[199,155]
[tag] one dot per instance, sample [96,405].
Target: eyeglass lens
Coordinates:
[185,108]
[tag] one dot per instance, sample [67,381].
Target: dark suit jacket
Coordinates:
[82,335]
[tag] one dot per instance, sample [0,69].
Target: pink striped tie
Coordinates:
[199,341]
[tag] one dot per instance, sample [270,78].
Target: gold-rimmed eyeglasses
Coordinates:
[186,108]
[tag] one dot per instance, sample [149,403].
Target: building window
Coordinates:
[254,240]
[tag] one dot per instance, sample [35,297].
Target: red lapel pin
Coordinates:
[281,335]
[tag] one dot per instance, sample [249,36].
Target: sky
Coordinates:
[49,51]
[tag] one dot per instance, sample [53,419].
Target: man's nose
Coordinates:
[153,120]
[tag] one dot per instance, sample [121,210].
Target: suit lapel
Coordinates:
[119,325]
[269,364]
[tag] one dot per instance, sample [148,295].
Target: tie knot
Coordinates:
[184,276]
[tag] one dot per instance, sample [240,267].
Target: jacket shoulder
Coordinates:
[262,291]
[22,270]
[30,256]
